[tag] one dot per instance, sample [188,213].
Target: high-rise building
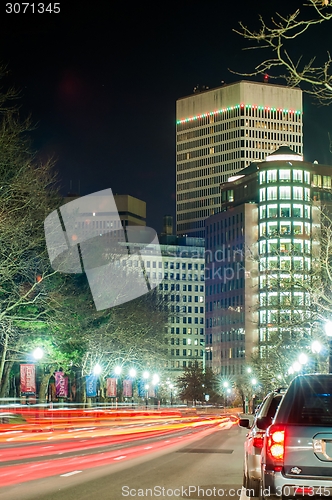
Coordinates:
[259,247]
[220,132]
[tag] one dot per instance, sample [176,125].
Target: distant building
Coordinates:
[221,131]
[131,210]
[266,229]
[183,289]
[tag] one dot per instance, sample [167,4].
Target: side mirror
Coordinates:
[263,422]
[244,422]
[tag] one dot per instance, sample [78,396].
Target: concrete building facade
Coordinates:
[223,130]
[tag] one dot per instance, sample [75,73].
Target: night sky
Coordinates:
[101,79]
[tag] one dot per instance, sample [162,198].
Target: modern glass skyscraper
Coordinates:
[220,132]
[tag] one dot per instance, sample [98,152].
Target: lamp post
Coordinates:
[328,332]
[225,385]
[316,348]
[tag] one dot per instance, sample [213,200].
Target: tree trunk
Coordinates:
[43,388]
[5,378]
[3,357]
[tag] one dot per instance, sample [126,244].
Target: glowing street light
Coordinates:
[155,379]
[132,373]
[38,353]
[316,347]
[146,375]
[97,369]
[117,370]
[303,359]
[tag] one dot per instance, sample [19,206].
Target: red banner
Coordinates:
[28,380]
[127,388]
[111,387]
[61,385]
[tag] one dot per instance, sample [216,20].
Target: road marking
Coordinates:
[71,473]
[120,458]
[148,447]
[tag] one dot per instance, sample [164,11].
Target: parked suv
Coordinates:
[297,451]
[254,440]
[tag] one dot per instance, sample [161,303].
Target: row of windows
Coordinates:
[229,336]
[179,364]
[234,147]
[212,129]
[230,302]
[284,228]
[205,202]
[285,264]
[211,160]
[277,132]
[285,246]
[284,210]
[185,341]
[189,320]
[216,288]
[202,193]
[281,280]
[187,352]
[199,183]
[177,330]
[224,253]
[225,320]
[211,139]
[285,175]
[281,317]
[284,193]
[197,214]
[275,125]
[188,226]
[184,287]
[227,116]
[284,299]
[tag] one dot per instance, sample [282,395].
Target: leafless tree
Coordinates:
[283,33]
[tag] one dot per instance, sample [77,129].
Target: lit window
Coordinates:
[285,192]
[262,195]
[284,175]
[297,193]
[272,193]
[271,176]
[298,175]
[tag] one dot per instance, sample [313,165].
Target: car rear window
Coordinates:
[312,403]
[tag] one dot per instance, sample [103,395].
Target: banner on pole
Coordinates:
[61,385]
[28,380]
[127,388]
[111,387]
[91,386]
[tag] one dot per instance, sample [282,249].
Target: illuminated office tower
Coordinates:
[221,131]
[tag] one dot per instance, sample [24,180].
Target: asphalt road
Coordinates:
[207,464]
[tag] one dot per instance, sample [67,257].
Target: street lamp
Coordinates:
[328,332]
[316,348]
[38,353]
[97,369]
[146,387]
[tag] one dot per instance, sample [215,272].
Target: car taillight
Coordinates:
[276,443]
[258,440]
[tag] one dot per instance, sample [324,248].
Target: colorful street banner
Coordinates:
[28,380]
[91,386]
[111,387]
[127,388]
[141,388]
[61,385]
